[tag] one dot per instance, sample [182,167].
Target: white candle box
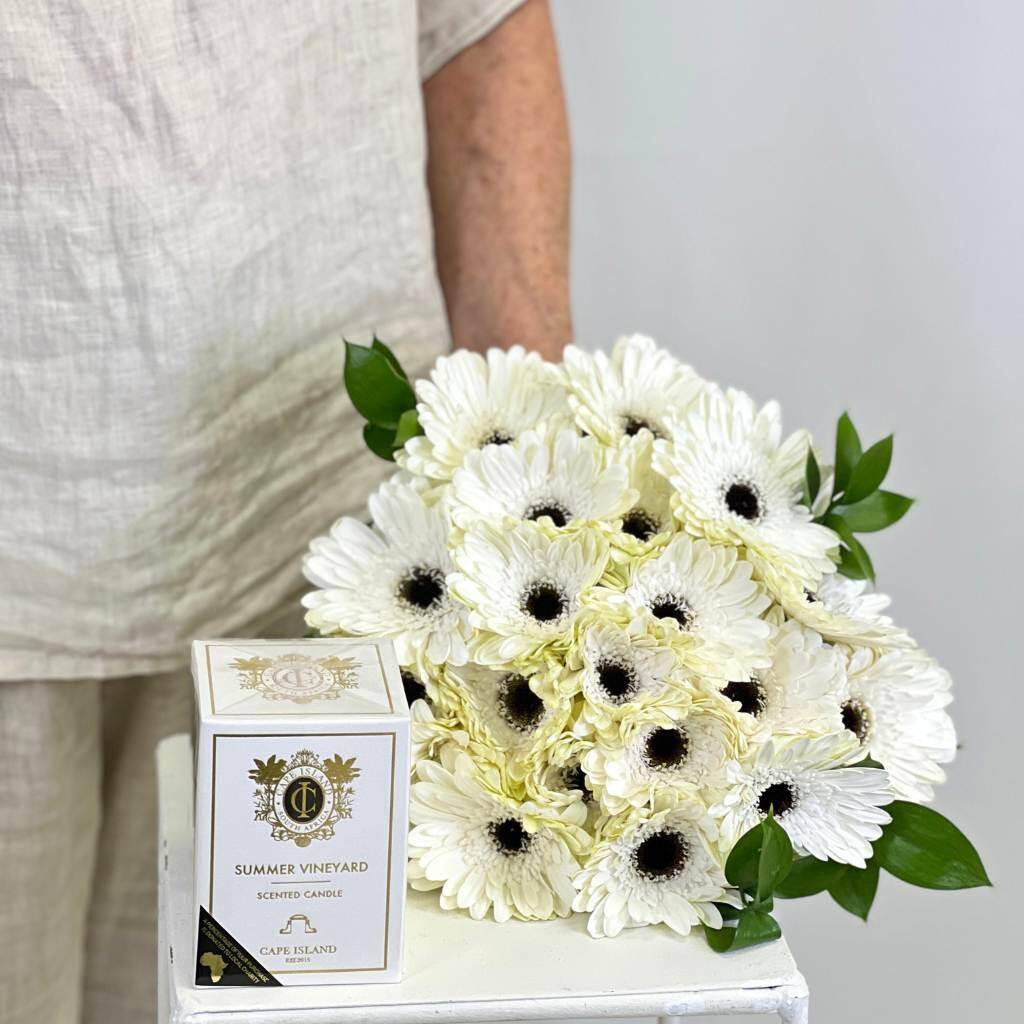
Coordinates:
[302,807]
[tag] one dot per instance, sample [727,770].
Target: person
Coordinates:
[197,201]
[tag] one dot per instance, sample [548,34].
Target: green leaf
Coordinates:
[759,860]
[848,452]
[868,474]
[378,346]
[807,877]
[875,512]
[728,911]
[719,939]
[854,560]
[776,858]
[812,478]
[849,566]
[755,927]
[741,866]
[923,848]
[408,426]
[854,889]
[380,441]
[836,522]
[868,762]
[862,559]
[378,392]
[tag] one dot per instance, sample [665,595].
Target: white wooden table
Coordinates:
[460,970]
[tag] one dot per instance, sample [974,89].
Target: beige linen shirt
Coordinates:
[198,198]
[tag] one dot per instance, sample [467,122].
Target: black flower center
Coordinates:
[509,836]
[668,606]
[414,689]
[422,588]
[661,856]
[812,598]
[632,425]
[742,499]
[856,719]
[518,704]
[749,695]
[618,681]
[544,602]
[558,513]
[573,777]
[639,524]
[497,436]
[666,748]
[779,797]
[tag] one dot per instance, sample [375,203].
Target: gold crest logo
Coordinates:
[304,798]
[297,677]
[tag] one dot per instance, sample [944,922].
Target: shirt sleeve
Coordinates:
[446,27]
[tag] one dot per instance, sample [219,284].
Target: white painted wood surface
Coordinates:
[459,970]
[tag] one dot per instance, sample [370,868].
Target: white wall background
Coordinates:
[824,203]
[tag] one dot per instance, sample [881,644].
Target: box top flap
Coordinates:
[310,678]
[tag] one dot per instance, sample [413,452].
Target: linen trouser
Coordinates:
[78,871]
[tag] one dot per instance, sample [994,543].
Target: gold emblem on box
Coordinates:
[304,798]
[216,964]
[297,677]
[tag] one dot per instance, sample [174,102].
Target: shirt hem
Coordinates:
[472,32]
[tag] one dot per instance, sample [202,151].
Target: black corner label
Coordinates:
[220,960]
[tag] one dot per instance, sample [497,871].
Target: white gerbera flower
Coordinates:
[524,587]
[797,693]
[617,669]
[471,401]
[504,710]
[431,733]
[659,749]
[638,387]
[895,704]
[426,682]
[844,611]
[649,520]
[414,684]
[702,599]
[829,810]
[737,482]
[388,580]
[567,780]
[556,475]
[652,870]
[559,779]
[485,850]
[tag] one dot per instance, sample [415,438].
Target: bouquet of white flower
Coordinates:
[648,679]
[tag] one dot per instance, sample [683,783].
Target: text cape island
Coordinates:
[302,809]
